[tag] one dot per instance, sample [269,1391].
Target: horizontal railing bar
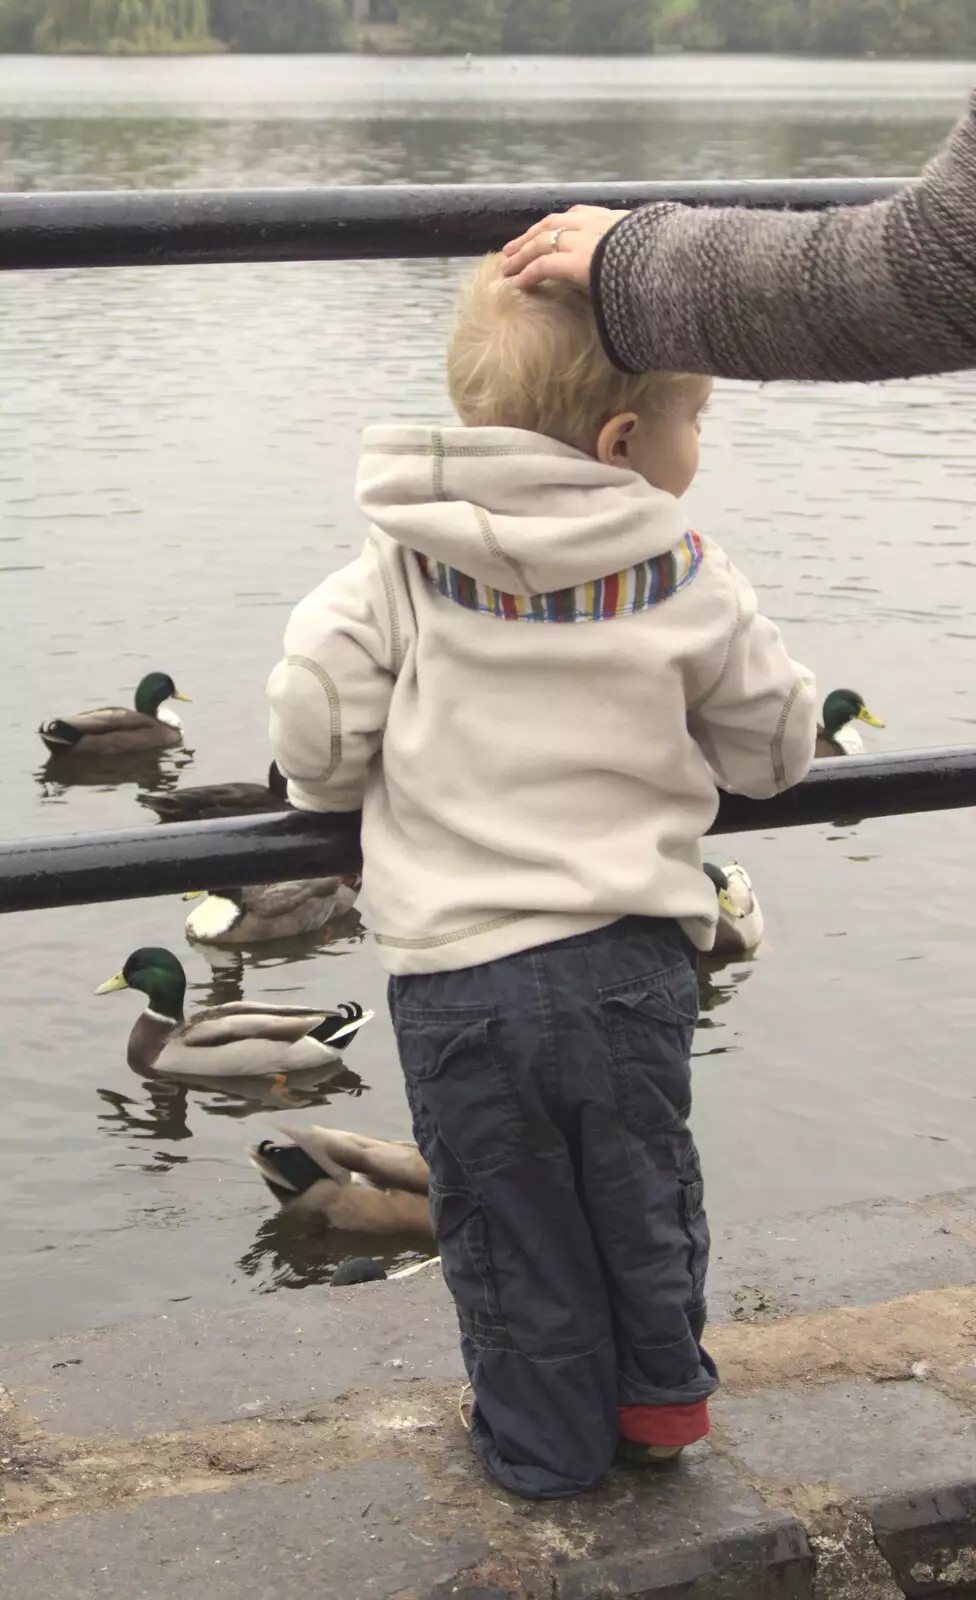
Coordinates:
[173,857]
[169,227]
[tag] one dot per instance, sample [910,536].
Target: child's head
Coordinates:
[534,360]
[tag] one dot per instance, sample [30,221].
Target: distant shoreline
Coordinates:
[215,47]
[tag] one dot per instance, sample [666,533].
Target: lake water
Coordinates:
[177,450]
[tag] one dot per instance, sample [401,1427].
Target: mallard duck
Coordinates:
[115,730]
[239,1040]
[350,1181]
[740,918]
[202,801]
[265,911]
[837,735]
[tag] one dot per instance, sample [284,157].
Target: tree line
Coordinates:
[580,27]
[169,27]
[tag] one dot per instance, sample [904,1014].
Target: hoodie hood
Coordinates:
[515,510]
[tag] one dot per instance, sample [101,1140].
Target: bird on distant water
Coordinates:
[239,1040]
[117,730]
[837,735]
[199,802]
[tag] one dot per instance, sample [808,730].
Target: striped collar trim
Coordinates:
[622,594]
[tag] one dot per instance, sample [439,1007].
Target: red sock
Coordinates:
[665,1425]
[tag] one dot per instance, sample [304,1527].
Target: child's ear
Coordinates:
[611,446]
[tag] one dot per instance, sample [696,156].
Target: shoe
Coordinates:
[630,1453]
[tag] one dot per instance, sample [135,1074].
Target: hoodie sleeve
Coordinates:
[756,719]
[860,292]
[331,692]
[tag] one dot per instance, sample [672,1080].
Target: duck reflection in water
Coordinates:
[161,1115]
[288,1253]
[229,967]
[718,983]
[154,771]
[163,1112]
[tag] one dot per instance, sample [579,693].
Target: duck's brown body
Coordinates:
[366,1185]
[202,801]
[262,912]
[240,1040]
[826,746]
[110,731]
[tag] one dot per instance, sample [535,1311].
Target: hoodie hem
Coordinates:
[507,935]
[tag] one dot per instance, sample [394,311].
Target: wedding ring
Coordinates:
[555,237]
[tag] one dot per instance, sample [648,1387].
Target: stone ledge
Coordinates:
[772,1561]
[317,1446]
[928,1539]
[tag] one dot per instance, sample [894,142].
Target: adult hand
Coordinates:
[560,246]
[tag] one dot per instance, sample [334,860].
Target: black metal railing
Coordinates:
[46,231]
[173,857]
[173,227]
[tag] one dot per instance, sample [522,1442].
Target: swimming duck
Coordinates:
[205,800]
[740,918]
[115,730]
[348,1180]
[265,911]
[837,735]
[238,1040]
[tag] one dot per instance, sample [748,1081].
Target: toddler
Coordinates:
[532,681]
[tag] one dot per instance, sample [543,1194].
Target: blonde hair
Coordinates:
[533,359]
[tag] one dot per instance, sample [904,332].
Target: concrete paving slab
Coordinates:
[381,1528]
[345,1535]
[168,1372]
[862,1439]
[855,1254]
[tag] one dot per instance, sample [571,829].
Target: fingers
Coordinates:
[580,216]
[572,268]
[557,219]
[541,245]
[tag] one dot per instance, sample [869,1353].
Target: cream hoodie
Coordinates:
[525,779]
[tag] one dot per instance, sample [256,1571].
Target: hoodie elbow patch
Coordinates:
[801,687]
[320,675]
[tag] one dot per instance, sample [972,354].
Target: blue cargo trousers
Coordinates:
[550,1094]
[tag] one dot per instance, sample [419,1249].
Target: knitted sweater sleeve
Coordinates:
[880,291]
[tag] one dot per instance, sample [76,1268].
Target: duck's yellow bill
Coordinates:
[194,894]
[111,984]
[727,905]
[864,715]
[178,696]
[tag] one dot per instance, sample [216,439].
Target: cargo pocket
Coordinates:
[695,1224]
[462,1238]
[650,1025]
[459,1085]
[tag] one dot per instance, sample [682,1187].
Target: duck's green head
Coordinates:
[843,706]
[153,690]
[721,883]
[158,975]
